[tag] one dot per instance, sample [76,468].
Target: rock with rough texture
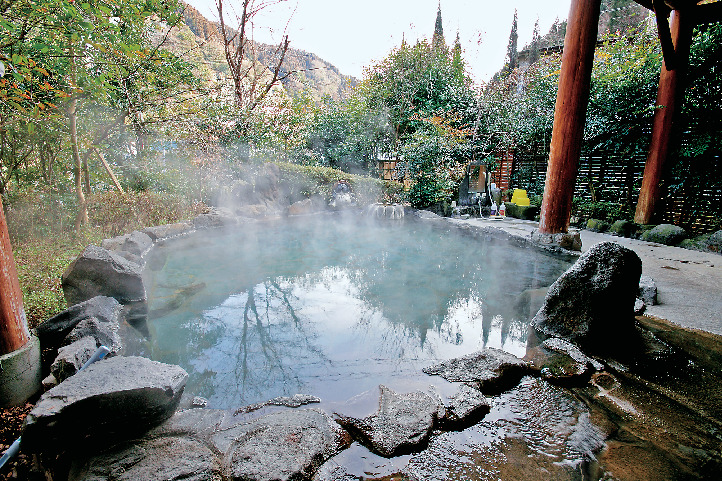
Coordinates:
[111,400]
[566,240]
[490,369]
[526,212]
[592,302]
[666,234]
[286,445]
[214,220]
[103,333]
[401,425]
[559,360]
[467,406]
[647,290]
[99,272]
[297,400]
[136,243]
[53,331]
[167,231]
[306,206]
[71,358]
[162,459]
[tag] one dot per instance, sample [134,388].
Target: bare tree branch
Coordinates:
[251,84]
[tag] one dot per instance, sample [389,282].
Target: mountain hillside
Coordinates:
[309,73]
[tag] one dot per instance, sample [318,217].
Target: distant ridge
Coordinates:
[310,75]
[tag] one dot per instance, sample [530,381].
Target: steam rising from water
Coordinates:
[333,308]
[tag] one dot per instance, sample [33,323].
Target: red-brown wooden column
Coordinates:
[13,326]
[669,95]
[569,113]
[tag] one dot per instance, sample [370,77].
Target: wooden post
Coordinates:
[569,114]
[13,325]
[669,95]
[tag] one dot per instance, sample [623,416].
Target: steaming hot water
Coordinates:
[331,308]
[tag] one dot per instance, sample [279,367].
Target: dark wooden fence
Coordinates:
[693,197]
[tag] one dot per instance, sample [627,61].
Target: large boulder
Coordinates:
[592,302]
[490,370]
[102,333]
[109,401]
[131,246]
[402,423]
[53,331]
[286,445]
[99,272]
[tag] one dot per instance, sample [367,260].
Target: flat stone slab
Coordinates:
[162,459]
[286,445]
[466,407]
[490,369]
[401,425]
[561,361]
[109,400]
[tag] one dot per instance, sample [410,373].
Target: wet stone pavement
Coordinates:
[651,415]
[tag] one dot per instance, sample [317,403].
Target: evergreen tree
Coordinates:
[437,41]
[512,53]
[535,43]
[457,63]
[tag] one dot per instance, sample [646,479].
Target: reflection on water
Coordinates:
[332,308]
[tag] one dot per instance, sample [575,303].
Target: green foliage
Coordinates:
[431,110]
[313,180]
[609,212]
[347,135]
[44,243]
[512,53]
[623,92]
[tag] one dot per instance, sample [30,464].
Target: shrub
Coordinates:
[667,234]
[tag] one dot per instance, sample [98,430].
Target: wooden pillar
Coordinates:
[669,96]
[569,114]
[13,325]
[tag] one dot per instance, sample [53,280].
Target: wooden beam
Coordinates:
[569,115]
[708,13]
[14,332]
[661,11]
[669,95]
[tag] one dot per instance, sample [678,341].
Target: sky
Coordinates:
[356,34]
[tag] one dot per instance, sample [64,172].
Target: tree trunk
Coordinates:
[569,115]
[14,332]
[81,218]
[669,95]
[86,176]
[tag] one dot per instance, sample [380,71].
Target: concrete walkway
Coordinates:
[689,283]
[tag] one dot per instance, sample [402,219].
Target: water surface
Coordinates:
[333,308]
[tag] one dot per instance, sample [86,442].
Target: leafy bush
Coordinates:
[305,181]
[609,212]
